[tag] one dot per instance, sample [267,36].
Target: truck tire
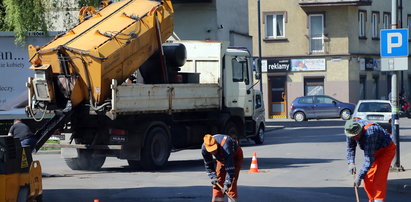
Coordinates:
[231,130]
[85,161]
[259,138]
[157,149]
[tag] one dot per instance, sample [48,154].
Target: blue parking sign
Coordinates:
[394,43]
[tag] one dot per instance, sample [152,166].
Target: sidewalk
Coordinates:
[400,181]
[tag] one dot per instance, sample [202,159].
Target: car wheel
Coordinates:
[299,116]
[345,114]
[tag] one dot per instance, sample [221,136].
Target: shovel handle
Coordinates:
[356,190]
[226,193]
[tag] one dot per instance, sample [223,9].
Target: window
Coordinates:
[374,23]
[362,86]
[325,100]
[258,102]
[375,87]
[306,100]
[386,21]
[240,67]
[361,23]
[316,25]
[409,25]
[313,86]
[274,25]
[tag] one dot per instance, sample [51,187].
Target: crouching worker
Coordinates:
[229,158]
[21,131]
[379,150]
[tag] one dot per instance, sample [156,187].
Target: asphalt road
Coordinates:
[302,162]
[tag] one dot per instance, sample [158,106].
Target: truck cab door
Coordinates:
[237,83]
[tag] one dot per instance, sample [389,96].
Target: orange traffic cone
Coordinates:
[96,200]
[254,164]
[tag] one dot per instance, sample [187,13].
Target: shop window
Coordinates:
[374,23]
[313,86]
[375,88]
[240,67]
[316,25]
[362,87]
[362,18]
[274,25]
[386,21]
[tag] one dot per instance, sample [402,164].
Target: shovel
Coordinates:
[356,190]
[226,193]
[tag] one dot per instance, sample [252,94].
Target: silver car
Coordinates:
[378,111]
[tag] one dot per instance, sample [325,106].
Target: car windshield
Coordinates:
[374,107]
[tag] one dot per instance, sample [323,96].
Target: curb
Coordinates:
[271,128]
[48,152]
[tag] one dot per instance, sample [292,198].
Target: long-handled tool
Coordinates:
[226,193]
[356,190]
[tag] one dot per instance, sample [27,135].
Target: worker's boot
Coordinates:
[232,200]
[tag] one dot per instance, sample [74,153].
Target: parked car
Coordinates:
[378,111]
[319,107]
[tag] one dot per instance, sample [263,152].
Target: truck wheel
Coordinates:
[231,130]
[85,161]
[156,149]
[259,138]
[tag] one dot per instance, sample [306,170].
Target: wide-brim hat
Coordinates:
[352,128]
[210,143]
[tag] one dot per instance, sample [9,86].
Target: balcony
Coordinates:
[322,3]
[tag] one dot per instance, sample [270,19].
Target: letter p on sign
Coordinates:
[390,42]
[394,43]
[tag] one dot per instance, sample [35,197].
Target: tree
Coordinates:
[21,16]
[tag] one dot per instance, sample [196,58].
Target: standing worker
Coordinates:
[229,158]
[379,150]
[21,131]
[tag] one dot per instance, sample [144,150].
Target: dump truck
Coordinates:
[117,88]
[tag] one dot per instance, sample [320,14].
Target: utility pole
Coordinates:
[394,98]
[259,42]
[400,25]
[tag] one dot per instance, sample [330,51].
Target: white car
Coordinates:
[378,111]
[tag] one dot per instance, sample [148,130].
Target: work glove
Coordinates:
[357,181]
[214,181]
[352,169]
[225,189]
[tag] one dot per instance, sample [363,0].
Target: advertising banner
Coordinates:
[14,67]
[276,65]
[298,65]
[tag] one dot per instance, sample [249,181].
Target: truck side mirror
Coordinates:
[258,69]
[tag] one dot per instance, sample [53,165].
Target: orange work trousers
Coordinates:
[375,181]
[218,195]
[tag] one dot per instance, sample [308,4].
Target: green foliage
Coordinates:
[94,3]
[23,16]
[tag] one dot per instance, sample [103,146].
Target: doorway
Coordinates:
[278,97]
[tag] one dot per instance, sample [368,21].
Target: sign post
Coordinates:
[394,57]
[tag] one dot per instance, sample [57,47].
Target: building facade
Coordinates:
[330,47]
[213,20]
